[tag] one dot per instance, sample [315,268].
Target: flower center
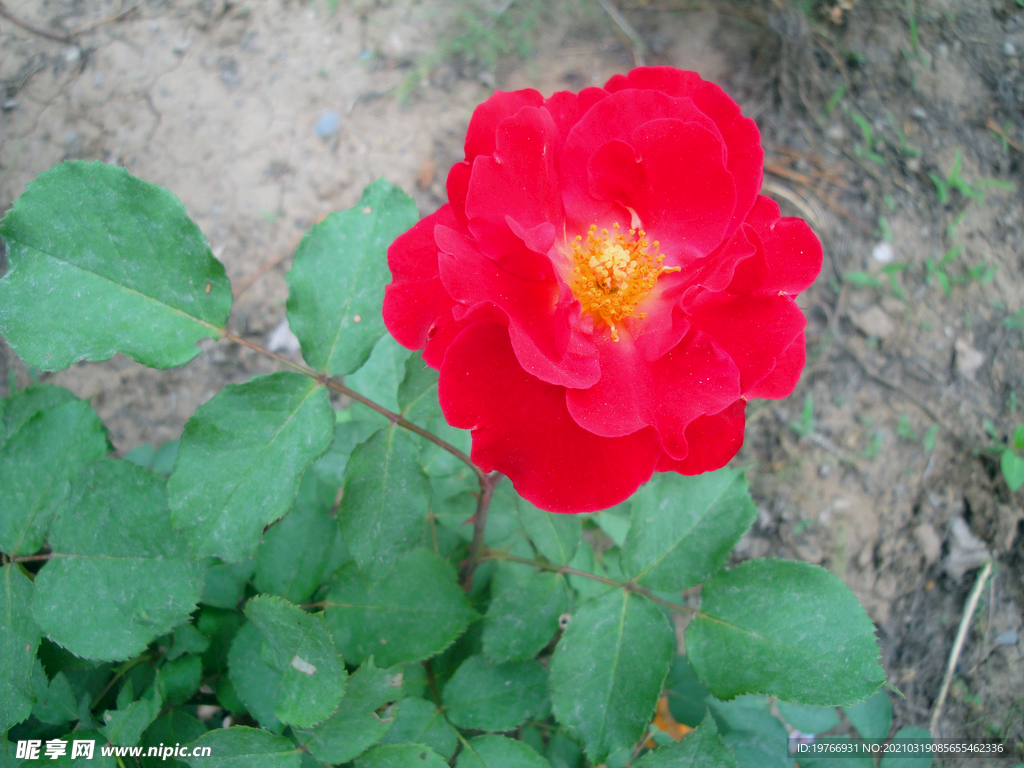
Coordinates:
[614,272]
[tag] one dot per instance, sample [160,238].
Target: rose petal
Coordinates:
[792,252]
[489,115]
[541,314]
[416,300]
[714,440]
[753,330]
[683,199]
[694,379]
[521,427]
[782,380]
[740,134]
[616,118]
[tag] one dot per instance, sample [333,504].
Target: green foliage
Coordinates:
[806,424]
[816,646]
[337,320]
[278,541]
[1011,462]
[81,283]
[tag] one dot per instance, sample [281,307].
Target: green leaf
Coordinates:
[414,612]
[172,728]
[383,511]
[1013,469]
[401,756]
[122,576]
[253,679]
[293,556]
[687,698]
[563,752]
[816,645]
[19,640]
[701,749]
[684,527]
[420,722]
[299,647]
[922,759]
[225,583]
[492,751]
[125,725]
[523,617]
[608,669]
[101,262]
[178,680]
[485,697]
[418,391]
[241,747]
[808,719]
[367,712]
[187,639]
[336,283]
[873,718]
[55,700]
[242,457]
[51,436]
[382,374]
[556,537]
[756,738]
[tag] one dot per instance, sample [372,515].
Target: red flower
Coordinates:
[605,289]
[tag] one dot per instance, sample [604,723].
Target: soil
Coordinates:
[861,104]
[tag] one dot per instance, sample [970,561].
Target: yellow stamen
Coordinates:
[615,272]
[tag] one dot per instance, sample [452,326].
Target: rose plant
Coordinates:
[329,560]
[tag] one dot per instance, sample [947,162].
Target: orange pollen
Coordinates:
[615,272]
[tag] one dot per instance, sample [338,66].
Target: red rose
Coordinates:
[605,289]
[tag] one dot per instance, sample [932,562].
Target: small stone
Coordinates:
[919,113]
[328,124]
[1009,637]
[968,359]
[883,253]
[929,541]
[966,551]
[875,323]
[825,470]
[182,46]
[11,104]
[913,164]
[1009,49]
[835,132]
[72,54]
[281,339]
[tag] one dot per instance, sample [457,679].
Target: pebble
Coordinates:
[281,339]
[1009,49]
[11,104]
[328,124]
[72,54]
[875,323]
[883,253]
[919,113]
[1009,637]
[968,359]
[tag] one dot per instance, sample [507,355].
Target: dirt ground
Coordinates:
[893,126]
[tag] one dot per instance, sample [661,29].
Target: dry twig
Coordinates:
[958,643]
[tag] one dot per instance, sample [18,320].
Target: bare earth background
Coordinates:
[265,115]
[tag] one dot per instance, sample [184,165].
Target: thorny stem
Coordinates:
[477,548]
[337,386]
[629,586]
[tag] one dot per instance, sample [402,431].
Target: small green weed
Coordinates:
[956,181]
[936,270]
[806,424]
[905,148]
[868,149]
[833,101]
[1010,462]
[928,443]
[868,280]
[905,430]
[1015,321]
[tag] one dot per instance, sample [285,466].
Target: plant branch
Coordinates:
[629,586]
[477,548]
[60,37]
[337,386]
